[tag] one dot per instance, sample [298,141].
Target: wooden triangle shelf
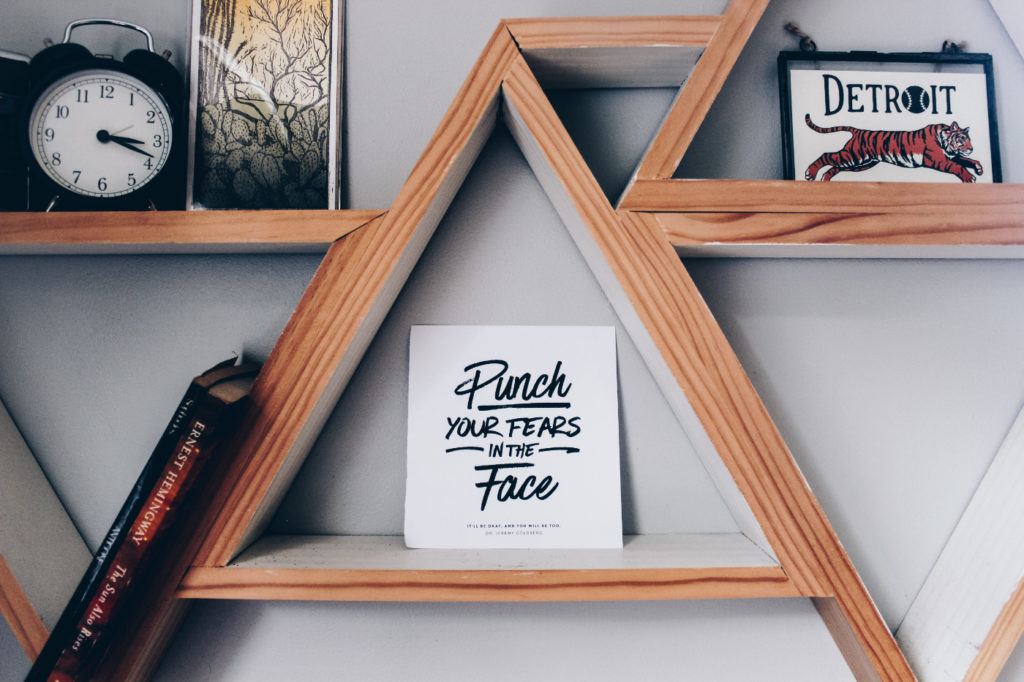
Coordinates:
[786,547]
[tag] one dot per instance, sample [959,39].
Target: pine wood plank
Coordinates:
[17,610]
[292,383]
[973,593]
[389,552]
[577,197]
[382,568]
[177,231]
[846,638]
[751,447]
[343,307]
[477,585]
[628,31]
[709,373]
[922,234]
[526,93]
[695,98]
[793,196]
[1000,641]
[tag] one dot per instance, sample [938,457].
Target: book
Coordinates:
[205,416]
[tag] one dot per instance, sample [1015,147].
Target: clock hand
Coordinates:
[119,140]
[128,145]
[126,142]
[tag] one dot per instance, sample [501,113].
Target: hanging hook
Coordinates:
[806,44]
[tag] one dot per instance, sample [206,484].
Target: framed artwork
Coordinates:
[265,104]
[898,117]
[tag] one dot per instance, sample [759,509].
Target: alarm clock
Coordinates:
[103,134]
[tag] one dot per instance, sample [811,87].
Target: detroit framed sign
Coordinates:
[893,117]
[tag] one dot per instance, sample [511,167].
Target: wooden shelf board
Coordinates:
[627,31]
[793,196]
[382,568]
[177,231]
[613,52]
[388,552]
[931,234]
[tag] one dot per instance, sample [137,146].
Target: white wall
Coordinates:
[892,382]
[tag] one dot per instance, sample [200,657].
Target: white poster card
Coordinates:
[513,438]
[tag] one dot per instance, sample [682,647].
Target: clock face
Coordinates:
[100,133]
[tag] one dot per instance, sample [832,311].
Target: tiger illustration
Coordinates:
[939,146]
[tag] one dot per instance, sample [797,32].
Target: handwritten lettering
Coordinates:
[541,426]
[523,389]
[464,426]
[492,384]
[509,488]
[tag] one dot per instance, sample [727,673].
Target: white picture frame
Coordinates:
[265,103]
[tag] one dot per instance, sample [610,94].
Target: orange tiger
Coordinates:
[942,147]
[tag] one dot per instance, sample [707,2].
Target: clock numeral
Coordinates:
[48,134]
[78,174]
[83,96]
[131,179]
[106,92]
[55,158]
[131,99]
[63,111]
[102,184]
[148,163]
[158,141]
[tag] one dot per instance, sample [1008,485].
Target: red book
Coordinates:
[80,640]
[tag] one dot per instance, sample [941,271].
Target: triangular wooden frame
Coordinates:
[363,273]
[634,251]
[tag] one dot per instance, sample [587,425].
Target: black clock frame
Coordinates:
[166,191]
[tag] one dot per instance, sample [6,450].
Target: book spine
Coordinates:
[100,563]
[141,544]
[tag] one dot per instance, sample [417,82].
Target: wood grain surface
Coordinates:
[341,310]
[695,98]
[700,358]
[792,196]
[176,231]
[569,32]
[19,613]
